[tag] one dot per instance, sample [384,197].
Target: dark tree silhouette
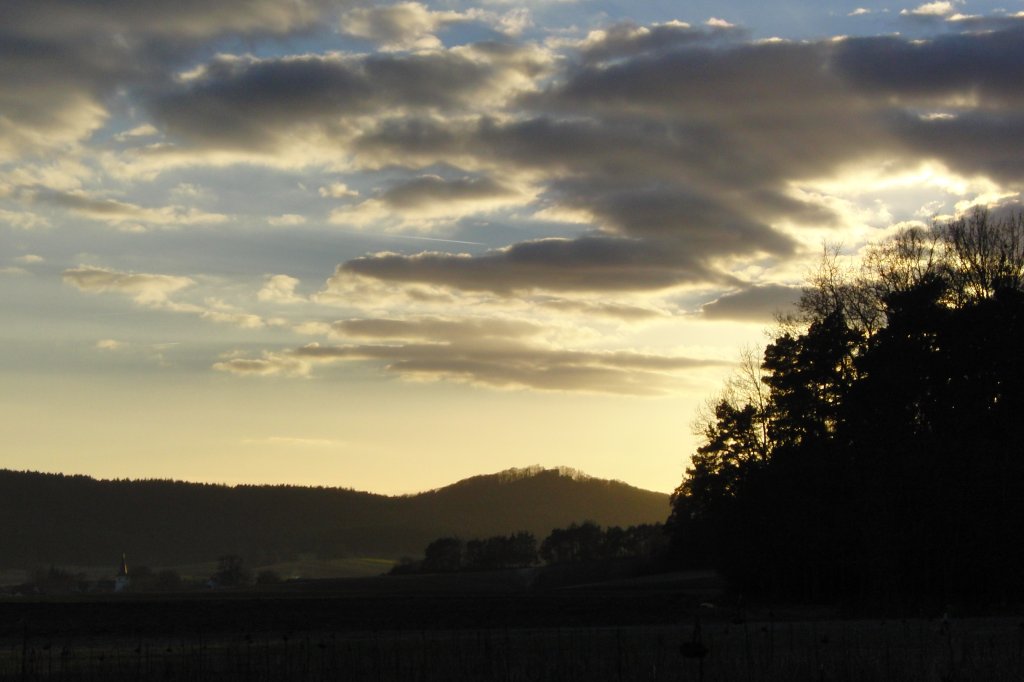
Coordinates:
[443,554]
[884,460]
[231,571]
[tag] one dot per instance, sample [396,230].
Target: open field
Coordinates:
[303,567]
[383,631]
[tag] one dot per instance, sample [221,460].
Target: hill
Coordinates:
[56,519]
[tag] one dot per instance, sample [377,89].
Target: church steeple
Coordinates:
[121,581]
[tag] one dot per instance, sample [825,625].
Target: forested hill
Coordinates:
[76,520]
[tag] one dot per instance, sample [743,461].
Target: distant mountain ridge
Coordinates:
[57,519]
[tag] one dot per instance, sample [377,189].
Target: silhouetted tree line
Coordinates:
[230,572]
[576,543]
[54,519]
[875,451]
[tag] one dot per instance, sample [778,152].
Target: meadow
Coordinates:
[562,635]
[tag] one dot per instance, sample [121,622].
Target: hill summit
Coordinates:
[78,520]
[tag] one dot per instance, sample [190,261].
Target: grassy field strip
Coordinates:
[911,650]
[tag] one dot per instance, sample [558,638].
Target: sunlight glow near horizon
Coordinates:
[390,246]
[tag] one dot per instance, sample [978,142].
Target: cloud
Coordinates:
[22,220]
[423,202]
[226,315]
[181,19]
[156,291]
[121,213]
[620,311]
[940,8]
[628,39]
[975,143]
[30,258]
[253,104]
[279,289]
[753,304]
[337,190]
[286,220]
[144,288]
[269,364]
[499,352]
[402,26]
[110,344]
[50,92]
[661,156]
[292,442]
[62,60]
[437,329]
[668,238]
[589,263]
[515,21]
[516,365]
[680,151]
[961,72]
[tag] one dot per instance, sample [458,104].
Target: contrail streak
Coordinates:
[432,239]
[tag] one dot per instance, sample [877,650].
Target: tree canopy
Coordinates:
[874,451]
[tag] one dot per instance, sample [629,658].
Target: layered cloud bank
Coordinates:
[512,204]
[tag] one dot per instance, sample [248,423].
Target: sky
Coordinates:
[387,246]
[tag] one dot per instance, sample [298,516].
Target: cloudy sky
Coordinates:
[387,246]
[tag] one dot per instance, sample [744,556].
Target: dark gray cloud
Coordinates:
[591,263]
[975,143]
[432,189]
[987,66]
[249,103]
[699,224]
[62,61]
[753,304]
[742,115]
[687,145]
[171,18]
[677,147]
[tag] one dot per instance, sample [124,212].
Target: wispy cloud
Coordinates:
[295,442]
[144,288]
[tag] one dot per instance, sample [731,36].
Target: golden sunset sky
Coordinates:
[389,246]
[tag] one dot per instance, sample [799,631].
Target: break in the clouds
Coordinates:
[754,304]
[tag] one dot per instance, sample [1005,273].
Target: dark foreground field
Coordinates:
[470,629]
